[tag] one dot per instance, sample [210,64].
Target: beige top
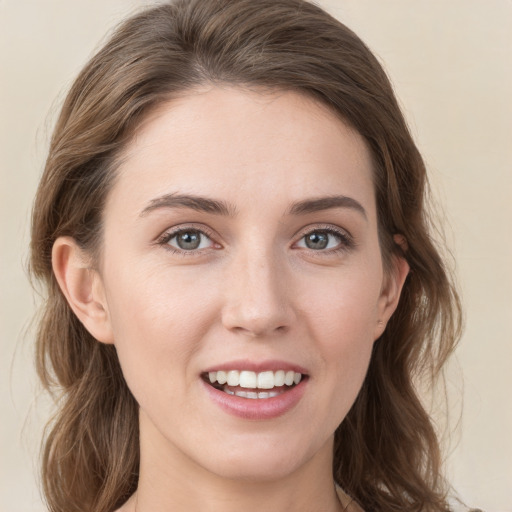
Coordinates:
[351,506]
[348,503]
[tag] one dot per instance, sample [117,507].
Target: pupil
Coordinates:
[317,240]
[189,240]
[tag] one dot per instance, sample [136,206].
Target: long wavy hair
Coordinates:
[386,453]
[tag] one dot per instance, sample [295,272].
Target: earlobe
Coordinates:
[83,288]
[392,288]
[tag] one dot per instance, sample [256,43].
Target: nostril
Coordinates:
[257,331]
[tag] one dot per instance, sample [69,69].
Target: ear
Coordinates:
[83,288]
[392,287]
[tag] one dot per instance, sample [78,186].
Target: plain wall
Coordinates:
[450,62]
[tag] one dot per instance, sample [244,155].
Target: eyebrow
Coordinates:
[326,203]
[217,207]
[193,202]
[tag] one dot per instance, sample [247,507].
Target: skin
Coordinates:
[253,290]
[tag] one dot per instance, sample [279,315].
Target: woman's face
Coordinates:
[240,242]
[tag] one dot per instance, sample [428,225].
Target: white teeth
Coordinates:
[253,394]
[248,380]
[279,378]
[265,380]
[252,380]
[233,378]
[288,378]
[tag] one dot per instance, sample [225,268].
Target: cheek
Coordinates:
[159,322]
[342,319]
[344,308]
[345,334]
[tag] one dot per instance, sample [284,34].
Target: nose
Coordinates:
[257,296]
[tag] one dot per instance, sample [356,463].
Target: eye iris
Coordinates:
[317,240]
[188,240]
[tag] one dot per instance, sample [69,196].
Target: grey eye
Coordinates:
[189,240]
[316,240]
[325,240]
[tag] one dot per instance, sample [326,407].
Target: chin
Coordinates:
[262,460]
[256,471]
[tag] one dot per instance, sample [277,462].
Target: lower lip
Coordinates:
[257,409]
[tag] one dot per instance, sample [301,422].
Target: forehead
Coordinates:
[238,143]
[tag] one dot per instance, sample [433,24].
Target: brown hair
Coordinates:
[387,455]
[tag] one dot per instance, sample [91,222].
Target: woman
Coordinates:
[243,294]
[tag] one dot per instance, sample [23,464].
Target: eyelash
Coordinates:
[346,242]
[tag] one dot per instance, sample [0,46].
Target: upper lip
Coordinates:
[256,366]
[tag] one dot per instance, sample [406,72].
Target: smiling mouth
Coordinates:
[252,385]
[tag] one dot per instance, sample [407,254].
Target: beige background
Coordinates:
[450,62]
